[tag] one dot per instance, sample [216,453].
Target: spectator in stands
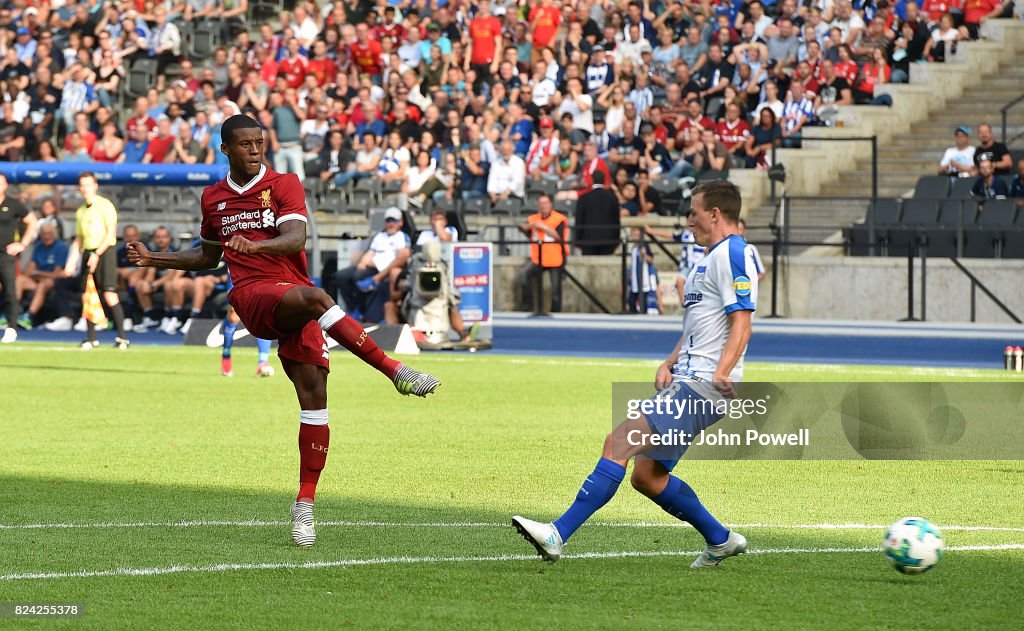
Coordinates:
[846,67]
[713,78]
[763,137]
[383,260]
[77,95]
[833,93]
[187,150]
[160,143]
[976,12]
[958,160]
[797,111]
[473,173]
[163,44]
[875,36]
[12,135]
[76,151]
[942,40]
[733,131]
[694,51]
[1017,185]
[543,153]
[285,134]
[626,151]
[137,147]
[548,231]
[989,149]
[713,155]
[643,295]
[848,21]
[507,176]
[44,274]
[770,101]
[987,185]
[109,146]
[394,161]
[783,44]
[366,163]
[873,74]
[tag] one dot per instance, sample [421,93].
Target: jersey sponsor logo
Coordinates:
[692,298]
[741,285]
[699,275]
[247,220]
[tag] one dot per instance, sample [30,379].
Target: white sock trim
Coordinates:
[313,417]
[331,317]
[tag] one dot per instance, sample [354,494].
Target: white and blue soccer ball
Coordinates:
[913,545]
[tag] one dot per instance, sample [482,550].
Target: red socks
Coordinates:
[347,332]
[314,438]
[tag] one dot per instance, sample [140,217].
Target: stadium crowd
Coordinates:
[438,100]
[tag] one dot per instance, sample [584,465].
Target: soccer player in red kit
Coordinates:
[256,219]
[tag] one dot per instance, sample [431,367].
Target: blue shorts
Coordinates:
[697,415]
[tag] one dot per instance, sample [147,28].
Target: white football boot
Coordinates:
[713,555]
[544,537]
[303,532]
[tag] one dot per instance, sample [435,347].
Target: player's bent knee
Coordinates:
[646,483]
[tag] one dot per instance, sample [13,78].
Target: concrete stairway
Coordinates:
[908,153]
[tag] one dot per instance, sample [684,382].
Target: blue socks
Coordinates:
[228,329]
[679,500]
[597,490]
[264,349]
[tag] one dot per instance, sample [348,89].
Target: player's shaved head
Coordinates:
[235,123]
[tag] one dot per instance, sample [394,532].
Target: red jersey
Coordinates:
[135,121]
[367,58]
[158,148]
[255,211]
[294,70]
[545,22]
[324,70]
[732,134]
[587,175]
[88,141]
[483,31]
[974,10]
[394,32]
[683,129]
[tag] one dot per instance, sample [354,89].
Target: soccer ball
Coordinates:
[913,545]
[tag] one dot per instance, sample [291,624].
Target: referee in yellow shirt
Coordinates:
[95,238]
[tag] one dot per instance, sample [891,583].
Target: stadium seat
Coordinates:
[1013,239]
[565,206]
[666,185]
[205,39]
[942,238]
[455,220]
[507,207]
[961,188]
[541,186]
[917,215]
[984,238]
[932,187]
[712,175]
[885,213]
[365,193]
[333,202]
[141,77]
[477,206]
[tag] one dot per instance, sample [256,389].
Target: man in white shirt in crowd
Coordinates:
[507,177]
[958,161]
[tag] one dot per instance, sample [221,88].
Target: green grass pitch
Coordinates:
[130,447]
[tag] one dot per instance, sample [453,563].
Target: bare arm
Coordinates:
[291,241]
[206,256]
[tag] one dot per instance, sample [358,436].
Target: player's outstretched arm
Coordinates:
[291,241]
[206,256]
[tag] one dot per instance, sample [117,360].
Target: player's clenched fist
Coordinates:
[242,245]
[138,254]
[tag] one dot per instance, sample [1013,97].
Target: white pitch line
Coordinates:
[406,560]
[255,523]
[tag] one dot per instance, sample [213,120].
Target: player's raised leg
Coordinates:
[228,328]
[301,304]
[597,490]
[314,439]
[678,499]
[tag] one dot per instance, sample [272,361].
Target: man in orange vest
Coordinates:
[548,230]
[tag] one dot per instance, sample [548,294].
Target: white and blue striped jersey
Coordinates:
[758,264]
[724,281]
[691,254]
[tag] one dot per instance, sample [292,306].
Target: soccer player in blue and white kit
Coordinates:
[721,293]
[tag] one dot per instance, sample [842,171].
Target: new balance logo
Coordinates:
[222,205]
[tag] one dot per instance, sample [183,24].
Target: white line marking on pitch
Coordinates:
[464,524]
[404,560]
